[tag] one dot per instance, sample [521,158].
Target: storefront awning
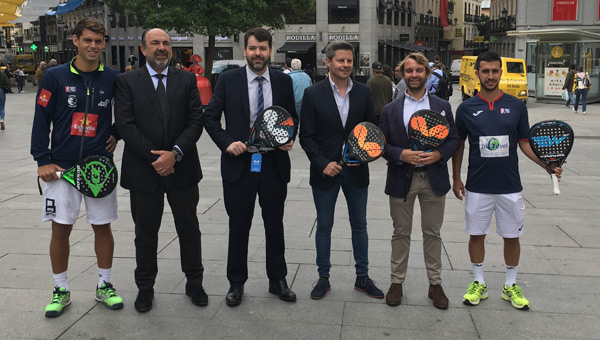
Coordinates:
[296,47]
[353,43]
[410,47]
[66,7]
[558,34]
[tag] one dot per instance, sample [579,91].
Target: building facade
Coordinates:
[553,34]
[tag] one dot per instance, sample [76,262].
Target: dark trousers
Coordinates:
[240,199]
[147,210]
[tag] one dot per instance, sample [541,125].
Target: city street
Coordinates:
[559,269]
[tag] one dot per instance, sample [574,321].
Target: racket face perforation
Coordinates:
[428,129]
[273,127]
[551,140]
[365,143]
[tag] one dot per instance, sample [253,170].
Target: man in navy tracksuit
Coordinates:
[70,96]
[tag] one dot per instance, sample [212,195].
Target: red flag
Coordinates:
[444,13]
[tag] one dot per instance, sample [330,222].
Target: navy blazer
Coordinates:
[231,96]
[143,127]
[392,125]
[322,134]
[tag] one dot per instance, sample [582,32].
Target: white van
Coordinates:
[455,69]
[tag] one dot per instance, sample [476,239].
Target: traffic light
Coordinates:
[33,47]
[20,49]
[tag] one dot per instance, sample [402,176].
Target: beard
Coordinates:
[260,64]
[418,86]
[490,89]
[158,64]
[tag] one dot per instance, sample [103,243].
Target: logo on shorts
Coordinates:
[520,228]
[50,207]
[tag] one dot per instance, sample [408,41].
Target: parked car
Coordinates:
[455,69]
[220,66]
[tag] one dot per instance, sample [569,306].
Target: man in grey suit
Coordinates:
[158,114]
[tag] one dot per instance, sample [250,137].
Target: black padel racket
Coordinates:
[427,130]
[273,128]
[551,141]
[365,144]
[93,176]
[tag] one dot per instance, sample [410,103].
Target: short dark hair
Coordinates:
[337,45]
[91,24]
[488,56]
[259,34]
[573,66]
[580,69]
[288,62]
[146,31]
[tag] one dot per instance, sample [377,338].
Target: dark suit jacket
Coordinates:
[231,96]
[322,134]
[142,127]
[392,125]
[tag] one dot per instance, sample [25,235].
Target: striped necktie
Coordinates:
[261,100]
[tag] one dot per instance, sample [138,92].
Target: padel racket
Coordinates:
[551,141]
[365,144]
[427,130]
[93,176]
[273,128]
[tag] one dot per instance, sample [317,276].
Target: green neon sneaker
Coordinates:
[61,298]
[515,296]
[108,295]
[475,293]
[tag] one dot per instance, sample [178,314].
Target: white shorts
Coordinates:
[62,203]
[509,208]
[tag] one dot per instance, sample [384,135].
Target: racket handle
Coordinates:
[555,184]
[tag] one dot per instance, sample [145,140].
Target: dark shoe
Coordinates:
[198,295]
[436,293]
[367,286]
[234,295]
[394,295]
[281,288]
[321,288]
[143,302]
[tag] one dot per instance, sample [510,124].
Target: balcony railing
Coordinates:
[426,20]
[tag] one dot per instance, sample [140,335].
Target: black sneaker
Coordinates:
[367,286]
[321,288]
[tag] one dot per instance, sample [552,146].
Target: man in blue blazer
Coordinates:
[429,182]
[330,110]
[242,94]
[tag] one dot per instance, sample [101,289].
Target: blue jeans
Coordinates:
[583,93]
[2,103]
[571,99]
[357,210]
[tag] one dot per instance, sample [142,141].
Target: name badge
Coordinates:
[256,162]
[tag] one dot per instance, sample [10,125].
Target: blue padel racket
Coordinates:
[551,141]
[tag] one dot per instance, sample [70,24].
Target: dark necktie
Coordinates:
[161,94]
[261,101]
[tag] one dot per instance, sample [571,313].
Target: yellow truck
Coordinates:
[513,81]
[24,61]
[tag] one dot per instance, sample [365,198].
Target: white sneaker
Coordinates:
[583,113]
[22,92]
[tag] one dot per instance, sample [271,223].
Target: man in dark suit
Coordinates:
[330,110]
[430,180]
[159,116]
[242,94]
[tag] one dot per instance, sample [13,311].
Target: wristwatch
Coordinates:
[177,154]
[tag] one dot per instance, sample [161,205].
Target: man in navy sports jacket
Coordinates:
[429,181]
